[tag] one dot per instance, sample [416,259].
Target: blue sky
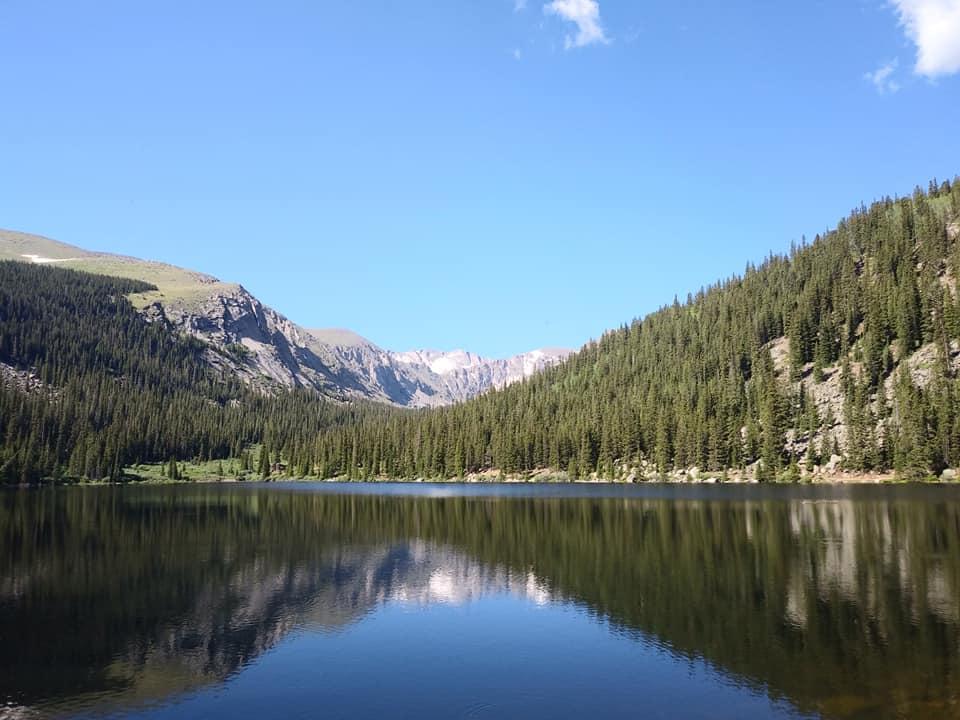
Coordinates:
[488,174]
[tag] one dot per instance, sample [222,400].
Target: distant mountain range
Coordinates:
[267,350]
[433,377]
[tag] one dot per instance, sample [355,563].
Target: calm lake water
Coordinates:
[413,601]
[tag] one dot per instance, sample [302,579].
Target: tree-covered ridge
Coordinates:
[66,323]
[108,389]
[871,317]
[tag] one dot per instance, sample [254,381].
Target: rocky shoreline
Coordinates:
[948,477]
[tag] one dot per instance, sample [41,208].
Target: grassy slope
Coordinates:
[175,285]
[198,471]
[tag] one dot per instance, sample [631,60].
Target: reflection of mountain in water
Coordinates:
[223,585]
[422,574]
[232,623]
[839,607]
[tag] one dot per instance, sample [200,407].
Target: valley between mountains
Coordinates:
[267,351]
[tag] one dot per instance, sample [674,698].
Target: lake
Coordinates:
[466,601]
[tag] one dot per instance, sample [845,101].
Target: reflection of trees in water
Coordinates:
[921,570]
[832,605]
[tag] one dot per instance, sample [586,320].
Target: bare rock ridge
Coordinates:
[265,349]
[464,374]
[427,378]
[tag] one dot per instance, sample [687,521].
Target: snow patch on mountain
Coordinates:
[41,260]
[442,363]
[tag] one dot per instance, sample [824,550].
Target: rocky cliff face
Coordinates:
[266,349]
[255,342]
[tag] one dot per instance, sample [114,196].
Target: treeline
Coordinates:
[697,384]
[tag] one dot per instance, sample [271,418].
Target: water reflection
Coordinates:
[842,607]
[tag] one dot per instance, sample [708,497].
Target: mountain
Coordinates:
[266,350]
[464,375]
[843,355]
[426,378]
[88,385]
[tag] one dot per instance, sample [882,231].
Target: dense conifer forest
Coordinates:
[842,353]
[88,386]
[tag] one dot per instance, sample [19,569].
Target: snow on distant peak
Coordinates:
[439,362]
[446,363]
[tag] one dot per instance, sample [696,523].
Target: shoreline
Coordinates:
[538,479]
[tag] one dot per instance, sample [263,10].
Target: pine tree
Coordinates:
[264,466]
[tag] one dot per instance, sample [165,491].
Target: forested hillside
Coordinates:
[842,353]
[88,386]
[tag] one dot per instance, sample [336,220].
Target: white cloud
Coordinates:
[934,27]
[517,54]
[519,5]
[585,14]
[882,78]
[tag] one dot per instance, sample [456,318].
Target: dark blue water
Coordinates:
[450,601]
